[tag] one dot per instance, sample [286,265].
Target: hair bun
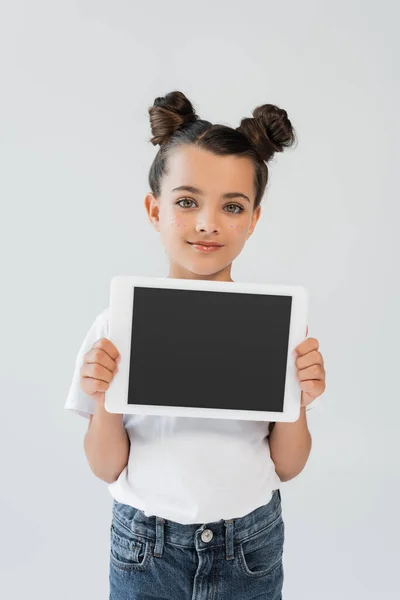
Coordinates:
[168,114]
[269,130]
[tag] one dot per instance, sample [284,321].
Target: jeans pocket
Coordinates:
[127,550]
[261,554]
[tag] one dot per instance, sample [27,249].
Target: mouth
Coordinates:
[206,246]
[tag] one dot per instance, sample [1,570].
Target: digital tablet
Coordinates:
[213,349]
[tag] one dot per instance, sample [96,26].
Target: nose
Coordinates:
[207,222]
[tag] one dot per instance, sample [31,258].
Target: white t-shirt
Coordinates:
[188,470]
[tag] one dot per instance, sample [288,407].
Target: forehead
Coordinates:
[188,165]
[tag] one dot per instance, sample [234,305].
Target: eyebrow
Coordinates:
[194,190]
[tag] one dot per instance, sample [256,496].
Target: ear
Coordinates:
[254,220]
[152,209]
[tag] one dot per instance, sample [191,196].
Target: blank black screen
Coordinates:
[209,349]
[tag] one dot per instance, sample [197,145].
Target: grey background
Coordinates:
[76,81]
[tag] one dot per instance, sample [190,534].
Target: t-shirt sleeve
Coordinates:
[77,400]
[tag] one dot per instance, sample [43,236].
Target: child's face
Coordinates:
[183,217]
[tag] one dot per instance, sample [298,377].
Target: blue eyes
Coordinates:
[241,209]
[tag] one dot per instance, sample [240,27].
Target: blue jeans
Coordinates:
[155,559]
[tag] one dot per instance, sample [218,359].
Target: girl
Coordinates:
[196,502]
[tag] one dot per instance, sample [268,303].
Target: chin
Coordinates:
[205,270]
[203,266]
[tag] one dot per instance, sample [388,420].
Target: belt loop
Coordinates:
[159,547]
[229,539]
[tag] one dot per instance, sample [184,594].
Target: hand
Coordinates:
[99,366]
[310,370]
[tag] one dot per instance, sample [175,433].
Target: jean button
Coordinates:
[207,535]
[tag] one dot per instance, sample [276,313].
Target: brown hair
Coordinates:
[174,122]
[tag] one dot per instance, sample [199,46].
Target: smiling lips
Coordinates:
[206,246]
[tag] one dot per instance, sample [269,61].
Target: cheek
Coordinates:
[178,224]
[237,228]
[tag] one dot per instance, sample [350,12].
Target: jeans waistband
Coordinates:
[219,533]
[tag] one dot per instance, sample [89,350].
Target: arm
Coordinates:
[106,444]
[290,446]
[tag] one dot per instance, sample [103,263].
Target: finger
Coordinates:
[91,386]
[307,346]
[107,346]
[315,388]
[308,386]
[312,358]
[96,371]
[315,372]
[99,356]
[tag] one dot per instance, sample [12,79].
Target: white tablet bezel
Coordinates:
[121,304]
